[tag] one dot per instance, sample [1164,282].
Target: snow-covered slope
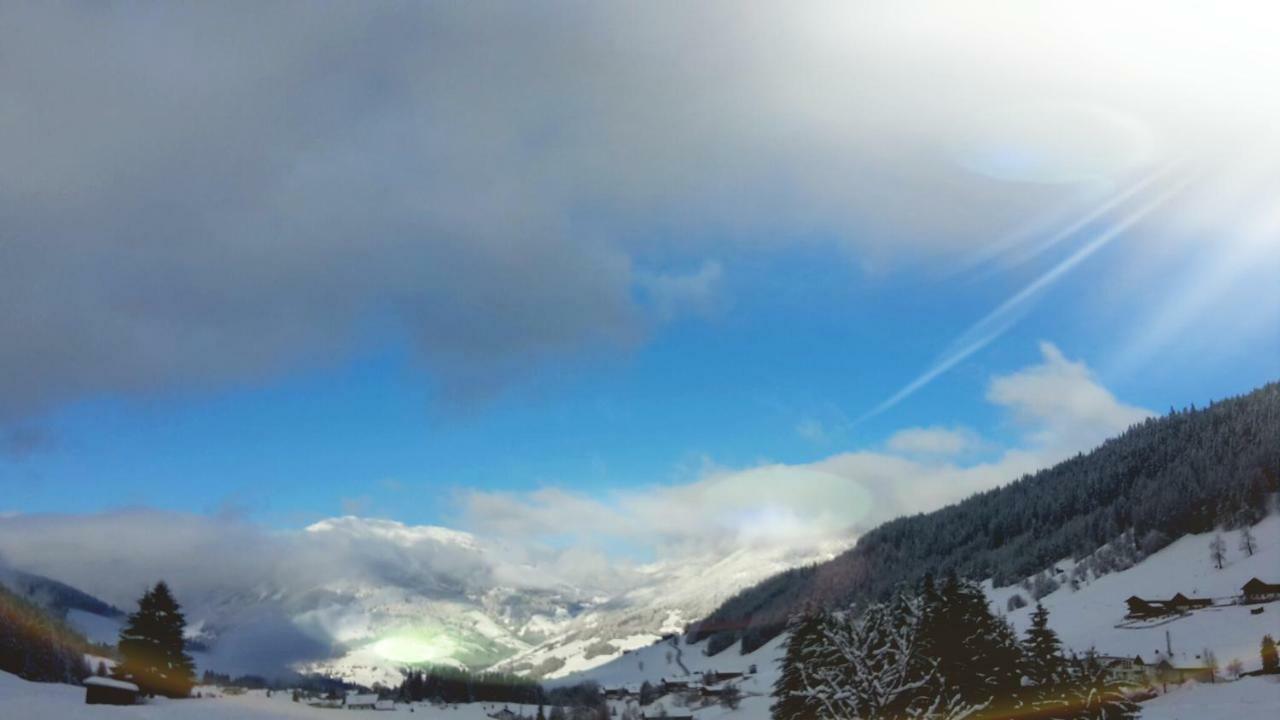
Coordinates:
[671,595]
[1093,615]
[1255,698]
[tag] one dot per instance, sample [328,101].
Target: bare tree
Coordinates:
[1247,543]
[1234,668]
[1218,550]
[1210,663]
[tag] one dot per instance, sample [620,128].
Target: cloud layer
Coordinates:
[553,537]
[193,199]
[1057,406]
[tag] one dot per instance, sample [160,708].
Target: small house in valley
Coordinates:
[1166,672]
[109,691]
[1181,603]
[1125,670]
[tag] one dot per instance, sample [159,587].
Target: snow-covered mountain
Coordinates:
[541,632]
[671,595]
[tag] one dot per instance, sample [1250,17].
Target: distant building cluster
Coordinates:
[1253,592]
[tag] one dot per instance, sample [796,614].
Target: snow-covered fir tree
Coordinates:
[152,648]
[940,655]
[1042,649]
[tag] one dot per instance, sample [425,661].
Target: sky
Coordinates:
[642,279]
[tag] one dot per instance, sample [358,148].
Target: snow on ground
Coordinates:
[662,661]
[674,593]
[1254,698]
[1088,617]
[22,700]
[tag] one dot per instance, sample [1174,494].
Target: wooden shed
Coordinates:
[108,691]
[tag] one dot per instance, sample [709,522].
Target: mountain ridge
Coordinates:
[1162,478]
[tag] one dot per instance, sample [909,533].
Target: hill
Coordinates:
[35,645]
[1188,472]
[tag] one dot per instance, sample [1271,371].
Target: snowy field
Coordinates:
[1247,699]
[22,700]
[1253,698]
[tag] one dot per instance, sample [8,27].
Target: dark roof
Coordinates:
[1257,586]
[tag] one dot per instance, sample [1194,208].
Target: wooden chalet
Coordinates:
[1142,608]
[616,693]
[711,677]
[1256,591]
[109,691]
[1181,603]
[670,686]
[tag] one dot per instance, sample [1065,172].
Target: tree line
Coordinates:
[450,685]
[1187,472]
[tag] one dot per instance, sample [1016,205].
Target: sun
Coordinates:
[415,647]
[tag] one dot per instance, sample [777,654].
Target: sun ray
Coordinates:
[1008,313]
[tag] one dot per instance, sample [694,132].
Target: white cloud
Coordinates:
[699,292]
[1062,404]
[1058,405]
[932,441]
[812,429]
[490,181]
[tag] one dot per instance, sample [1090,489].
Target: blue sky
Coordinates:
[369,265]
[803,345]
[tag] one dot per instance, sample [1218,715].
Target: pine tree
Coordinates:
[1042,650]
[152,647]
[794,691]
[977,652]
[1270,658]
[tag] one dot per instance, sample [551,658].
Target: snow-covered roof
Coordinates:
[111,683]
[362,699]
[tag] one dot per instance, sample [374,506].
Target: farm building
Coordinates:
[1125,670]
[1165,672]
[107,691]
[1256,591]
[1141,608]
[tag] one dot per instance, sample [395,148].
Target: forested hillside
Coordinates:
[37,646]
[1186,472]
